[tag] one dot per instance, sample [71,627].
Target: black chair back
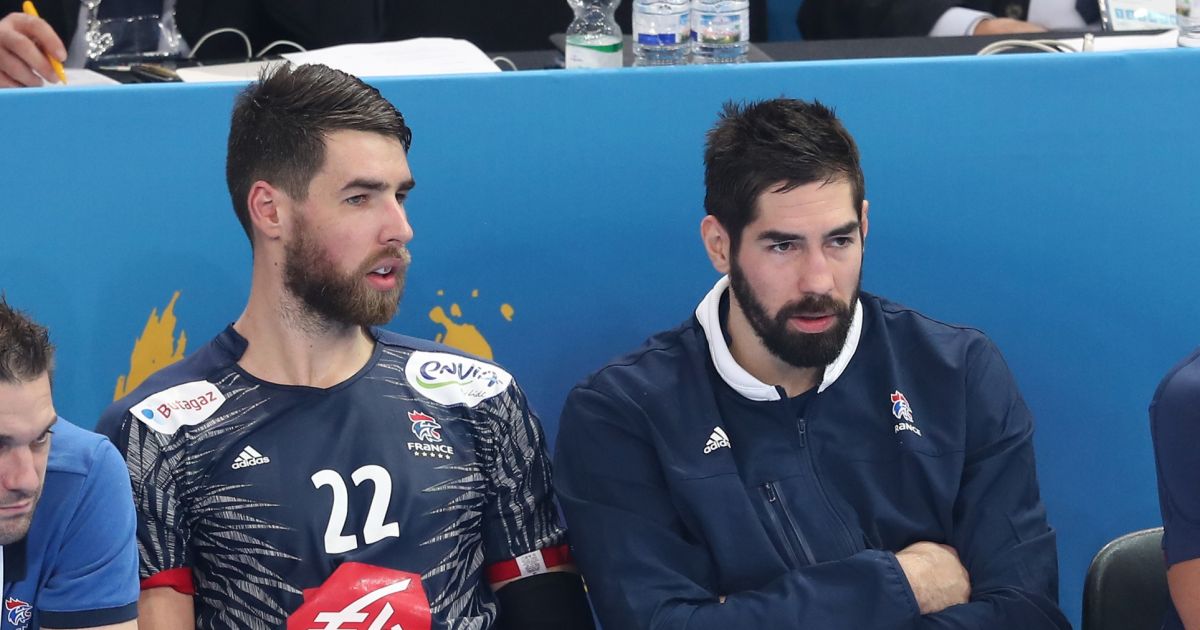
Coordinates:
[1126,587]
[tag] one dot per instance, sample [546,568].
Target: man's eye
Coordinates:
[43,439]
[357,200]
[841,241]
[401,198]
[785,246]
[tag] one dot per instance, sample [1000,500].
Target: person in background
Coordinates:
[492,25]
[799,453]
[1174,425]
[845,19]
[69,557]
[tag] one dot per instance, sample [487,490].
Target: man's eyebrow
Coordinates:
[777,236]
[365,184]
[850,226]
[377,185]
[6,440]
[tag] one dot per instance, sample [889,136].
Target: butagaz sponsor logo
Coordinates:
[19,613]
[250,457]
[453,380]
[903,412]
[718,439]
[188,404]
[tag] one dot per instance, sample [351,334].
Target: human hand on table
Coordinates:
[24,43]
[1005,26]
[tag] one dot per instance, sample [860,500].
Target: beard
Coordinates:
[15,528]
[330,297]
[799,349]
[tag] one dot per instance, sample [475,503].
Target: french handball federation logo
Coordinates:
[425,427]
[900,407]
[19,612]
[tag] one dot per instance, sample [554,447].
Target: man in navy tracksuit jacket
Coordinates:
[800,454]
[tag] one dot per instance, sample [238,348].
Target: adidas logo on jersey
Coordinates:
[717,440]
[250,457]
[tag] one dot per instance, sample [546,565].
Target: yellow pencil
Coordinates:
[29,9]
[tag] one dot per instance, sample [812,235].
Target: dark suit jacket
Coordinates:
[845,19]
[493,25]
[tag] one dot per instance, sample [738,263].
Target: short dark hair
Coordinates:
[25,349]
[280,122]
[778,144]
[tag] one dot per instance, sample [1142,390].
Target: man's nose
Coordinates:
[18,470]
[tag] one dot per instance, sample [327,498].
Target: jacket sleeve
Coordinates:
[646,569]
[1000,528]
[845,19]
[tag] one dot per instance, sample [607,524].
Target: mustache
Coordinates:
[397,252]
[812,305]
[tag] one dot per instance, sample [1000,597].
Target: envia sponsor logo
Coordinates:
[183,405]
[454,380]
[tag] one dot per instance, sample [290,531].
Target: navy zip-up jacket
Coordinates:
[685,480]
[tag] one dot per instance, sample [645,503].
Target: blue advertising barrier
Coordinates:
[1042,199]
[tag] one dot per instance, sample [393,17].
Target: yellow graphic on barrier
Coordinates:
[462,335]
[154,350]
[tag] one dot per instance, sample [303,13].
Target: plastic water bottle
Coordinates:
[1188,14]
[593,38]
[661,32]
[720,31]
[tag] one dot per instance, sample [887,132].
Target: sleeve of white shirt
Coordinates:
[958,21]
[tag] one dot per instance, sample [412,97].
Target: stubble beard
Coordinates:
[13,529]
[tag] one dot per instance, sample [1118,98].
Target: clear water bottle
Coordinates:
[593,38]
[661,32]
[720,31]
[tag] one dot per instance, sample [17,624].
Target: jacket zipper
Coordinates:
[781,518]
[802,429]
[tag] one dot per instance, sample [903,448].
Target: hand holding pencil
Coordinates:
[29,50]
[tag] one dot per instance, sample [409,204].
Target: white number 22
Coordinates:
[375,529]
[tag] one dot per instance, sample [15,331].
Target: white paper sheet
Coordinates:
[427,55]
[222,73]
[79,77]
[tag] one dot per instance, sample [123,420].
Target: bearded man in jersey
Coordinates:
[801,454]
[305,469]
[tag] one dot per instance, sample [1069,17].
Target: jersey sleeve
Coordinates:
[522,533]
[1000,528]
[94,581]
[153,461]
[1174,425]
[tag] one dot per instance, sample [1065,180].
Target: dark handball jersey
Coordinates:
[388,501]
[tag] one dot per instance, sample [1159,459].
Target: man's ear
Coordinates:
[716,244]
[863,222]
[267,205]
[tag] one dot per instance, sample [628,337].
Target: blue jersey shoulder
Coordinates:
[72,449]
[1180,388]
[399,341]
[215,356]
